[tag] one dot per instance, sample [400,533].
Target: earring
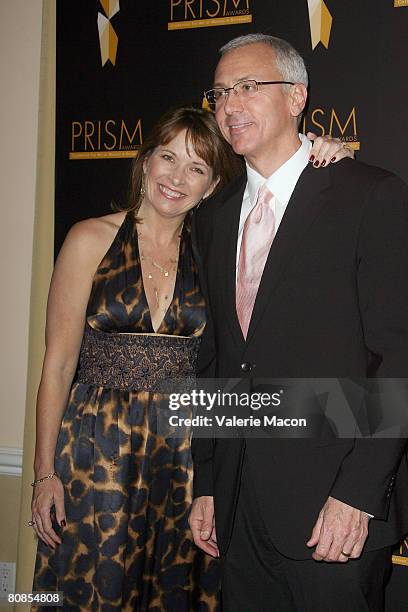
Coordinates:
[142,192]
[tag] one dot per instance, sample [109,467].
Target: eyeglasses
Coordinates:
[245,89]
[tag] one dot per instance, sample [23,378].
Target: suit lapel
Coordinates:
[306,202]
[227,225]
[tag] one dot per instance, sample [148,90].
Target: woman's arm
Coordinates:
[70,288]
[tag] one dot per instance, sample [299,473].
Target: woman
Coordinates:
[111,491]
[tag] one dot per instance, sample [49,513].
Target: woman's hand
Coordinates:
[327,150]
[45,495]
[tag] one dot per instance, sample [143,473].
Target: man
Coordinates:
[306,275]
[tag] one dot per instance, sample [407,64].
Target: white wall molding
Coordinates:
[11,461]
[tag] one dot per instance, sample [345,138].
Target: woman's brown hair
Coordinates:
[202,134]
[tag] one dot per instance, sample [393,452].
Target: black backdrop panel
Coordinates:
[165,55]
[358,84]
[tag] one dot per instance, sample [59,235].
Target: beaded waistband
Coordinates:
[136,362]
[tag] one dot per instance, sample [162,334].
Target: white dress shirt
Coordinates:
[281,183]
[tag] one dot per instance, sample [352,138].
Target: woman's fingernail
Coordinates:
[311,158]
[333,159]
[323,163]
[316,164]
[63,523]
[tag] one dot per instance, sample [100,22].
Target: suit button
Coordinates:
[246,367]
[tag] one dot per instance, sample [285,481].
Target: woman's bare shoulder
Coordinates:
[91,238]
[96,230]
[98,227]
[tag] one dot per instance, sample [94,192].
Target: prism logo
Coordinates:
[108,39]
[320,23]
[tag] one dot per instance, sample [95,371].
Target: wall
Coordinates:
[20,46]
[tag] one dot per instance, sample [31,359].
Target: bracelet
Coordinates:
[48,477]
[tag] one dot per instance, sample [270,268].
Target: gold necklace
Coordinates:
[166,272]
[166,298]
[154,263]
[163,308]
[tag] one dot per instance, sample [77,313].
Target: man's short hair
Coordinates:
[288,61]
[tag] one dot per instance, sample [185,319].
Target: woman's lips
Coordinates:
[171,193]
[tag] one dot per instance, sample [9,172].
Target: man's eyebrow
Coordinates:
[243,78]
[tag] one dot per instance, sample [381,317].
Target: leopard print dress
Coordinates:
[128,483]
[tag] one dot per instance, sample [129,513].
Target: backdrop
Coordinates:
[121,63]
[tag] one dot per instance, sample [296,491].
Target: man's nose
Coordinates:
[233,102]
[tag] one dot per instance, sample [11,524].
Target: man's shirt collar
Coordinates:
[283,181]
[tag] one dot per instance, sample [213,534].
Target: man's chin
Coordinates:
[238,142]
[242,144]
[240,148]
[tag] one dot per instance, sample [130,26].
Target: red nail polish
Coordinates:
[323,163]
[63,523]
[316,164]
[311,158]
[333,159]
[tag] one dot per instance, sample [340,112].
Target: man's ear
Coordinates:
[298,97]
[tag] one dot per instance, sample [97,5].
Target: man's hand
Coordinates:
[339,533]
[203,525]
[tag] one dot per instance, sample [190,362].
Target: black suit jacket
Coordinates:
[333,302]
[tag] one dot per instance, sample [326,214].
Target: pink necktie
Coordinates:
[257,237]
